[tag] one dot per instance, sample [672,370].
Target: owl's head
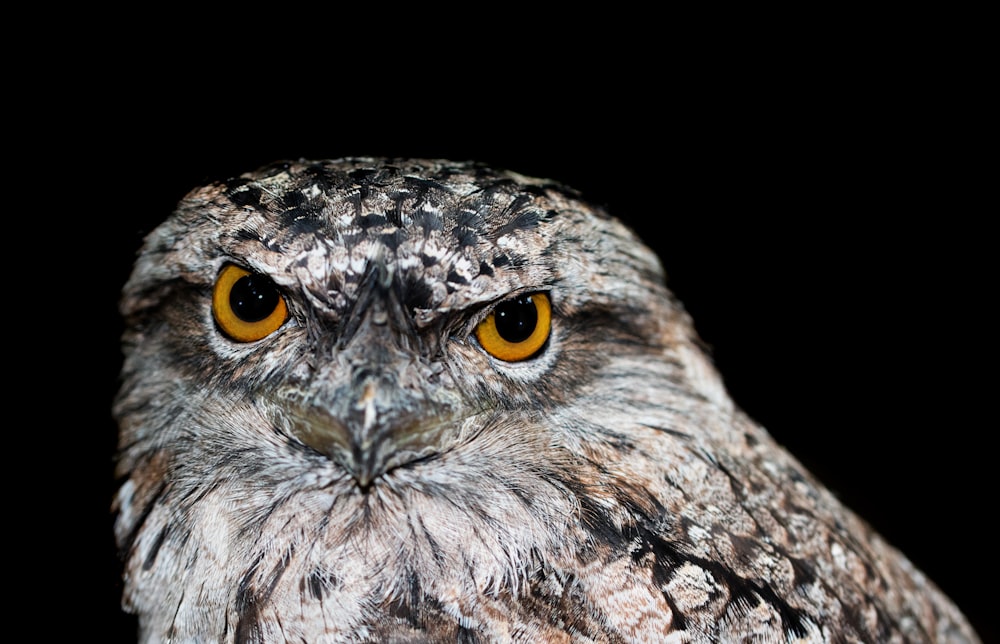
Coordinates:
[378,310]
[406,400]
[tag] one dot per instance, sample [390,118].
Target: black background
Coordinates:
[815,214]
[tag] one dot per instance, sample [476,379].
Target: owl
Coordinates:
[410,400]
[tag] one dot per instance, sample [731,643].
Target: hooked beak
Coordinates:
[373,428]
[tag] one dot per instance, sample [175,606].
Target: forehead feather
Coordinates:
[449,232]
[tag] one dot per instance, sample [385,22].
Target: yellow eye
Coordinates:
[247,306]
[517,328]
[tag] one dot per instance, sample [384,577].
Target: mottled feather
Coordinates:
[368,472]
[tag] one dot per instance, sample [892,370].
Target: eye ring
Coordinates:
[247,306]
[516,329]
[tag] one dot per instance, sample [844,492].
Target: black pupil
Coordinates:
[516,318]
[253,298]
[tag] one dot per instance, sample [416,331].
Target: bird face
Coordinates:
[387,320]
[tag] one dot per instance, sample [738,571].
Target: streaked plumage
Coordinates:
[374,467]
